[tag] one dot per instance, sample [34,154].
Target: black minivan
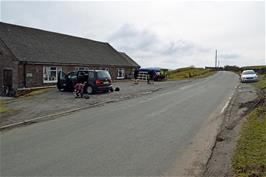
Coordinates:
[95,81]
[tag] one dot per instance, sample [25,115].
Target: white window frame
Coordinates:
[47,70]
[123,73]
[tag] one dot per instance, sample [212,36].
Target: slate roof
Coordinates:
[129,59]
[39,46]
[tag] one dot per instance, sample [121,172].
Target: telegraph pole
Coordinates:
[216,58]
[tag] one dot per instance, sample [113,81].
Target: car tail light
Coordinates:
[98,82]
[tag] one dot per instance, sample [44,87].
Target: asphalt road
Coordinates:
[146,136]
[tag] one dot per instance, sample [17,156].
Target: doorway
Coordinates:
[7,78]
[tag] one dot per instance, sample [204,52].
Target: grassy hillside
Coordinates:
[258,69]
[262,82]
[186,73]
[253,67]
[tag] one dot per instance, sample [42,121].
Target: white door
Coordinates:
[120,73]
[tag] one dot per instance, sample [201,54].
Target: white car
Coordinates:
[249,76]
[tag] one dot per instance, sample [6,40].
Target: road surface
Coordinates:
[169,132]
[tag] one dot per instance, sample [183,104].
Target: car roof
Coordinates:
[96,70]
[249,70]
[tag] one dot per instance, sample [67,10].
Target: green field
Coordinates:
[250,154]
[253,67]
[186,73]
[262,82]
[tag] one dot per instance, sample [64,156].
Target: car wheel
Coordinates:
[89,90]
[111,89]
[61,89]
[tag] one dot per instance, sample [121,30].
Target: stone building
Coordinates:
[32,57]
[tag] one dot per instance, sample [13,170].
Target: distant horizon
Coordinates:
[169,34]
[208,66]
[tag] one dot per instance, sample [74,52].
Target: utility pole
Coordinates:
[216,58]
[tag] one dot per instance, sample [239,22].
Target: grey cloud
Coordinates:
[146,43]
[229,56]
[128,38]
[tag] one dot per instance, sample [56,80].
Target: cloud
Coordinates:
[169,34]
[144,43]
[130,39]
[230,56]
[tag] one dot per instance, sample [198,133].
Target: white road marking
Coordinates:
[225,106]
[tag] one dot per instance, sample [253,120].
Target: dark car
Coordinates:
[95,81]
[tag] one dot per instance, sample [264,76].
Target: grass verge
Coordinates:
[35,92]
[4,108]
[250,155]
[262,82]
[186,73]
[249,159]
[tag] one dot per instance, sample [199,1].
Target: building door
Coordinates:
[8,78]
[120,73]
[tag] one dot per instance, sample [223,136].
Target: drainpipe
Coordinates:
[24,74]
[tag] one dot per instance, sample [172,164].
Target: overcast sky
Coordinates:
[168,34]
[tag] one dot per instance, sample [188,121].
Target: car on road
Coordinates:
[95,81]
[248,76]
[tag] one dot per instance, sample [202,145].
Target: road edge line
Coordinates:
[223,116]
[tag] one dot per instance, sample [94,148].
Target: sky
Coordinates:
[169,34]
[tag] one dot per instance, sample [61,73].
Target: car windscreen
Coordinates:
[103,75]
[248,72]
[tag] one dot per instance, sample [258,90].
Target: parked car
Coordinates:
[95,81]
[248,76]
[159,74]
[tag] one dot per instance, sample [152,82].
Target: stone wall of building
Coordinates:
[34,72]
[8,62]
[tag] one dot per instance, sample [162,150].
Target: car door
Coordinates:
[72,79]
[91,78]
[61,81]
[82,76]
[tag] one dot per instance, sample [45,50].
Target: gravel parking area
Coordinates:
[54,101]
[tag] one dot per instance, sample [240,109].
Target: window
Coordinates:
[91,75]
[249,72]
[81,68]
[120,73]
[50,74]
[103,75]
[72,75]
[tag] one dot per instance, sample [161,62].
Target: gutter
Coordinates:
[77,64]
